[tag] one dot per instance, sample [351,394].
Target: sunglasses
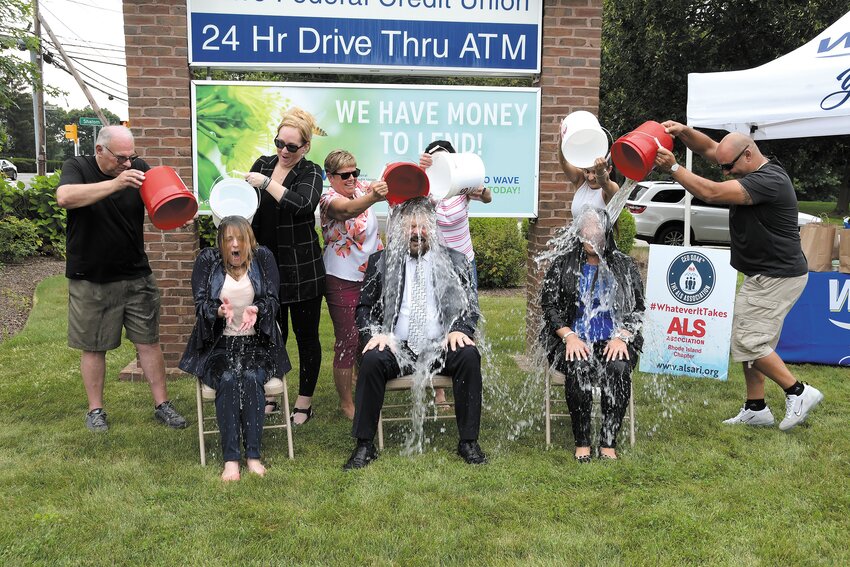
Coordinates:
[355,174]
[731,164]
[292,148]
[121,159]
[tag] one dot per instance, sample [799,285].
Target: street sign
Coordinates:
[89,121]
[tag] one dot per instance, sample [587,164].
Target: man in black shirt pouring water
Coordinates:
[766,249]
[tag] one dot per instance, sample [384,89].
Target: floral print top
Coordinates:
[348,244]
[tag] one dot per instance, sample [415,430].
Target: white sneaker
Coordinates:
[751,417]
[798,407]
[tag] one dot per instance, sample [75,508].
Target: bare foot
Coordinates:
[231,471]
[439,396]
[256,467]
[607,453]
[582,452]
[348,410]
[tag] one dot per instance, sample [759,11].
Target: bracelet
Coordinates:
[623,337]
[565,337]
[265,183]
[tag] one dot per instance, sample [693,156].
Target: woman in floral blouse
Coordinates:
[350,231]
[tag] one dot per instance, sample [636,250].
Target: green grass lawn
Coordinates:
[691,492]
[819,208]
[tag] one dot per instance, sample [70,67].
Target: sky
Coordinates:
[92,33]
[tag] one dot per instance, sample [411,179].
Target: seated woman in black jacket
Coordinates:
[593,302]
[236,345]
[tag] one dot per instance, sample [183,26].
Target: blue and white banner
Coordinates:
[818,327]
[431,36]
[690,297]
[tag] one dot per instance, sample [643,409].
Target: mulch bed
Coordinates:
[17,286]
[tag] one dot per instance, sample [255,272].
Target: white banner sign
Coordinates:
[690,298]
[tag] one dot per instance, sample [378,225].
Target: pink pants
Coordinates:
[342,297]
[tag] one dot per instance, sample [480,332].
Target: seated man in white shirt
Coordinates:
[417,308]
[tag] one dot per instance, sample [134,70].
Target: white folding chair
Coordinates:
[275,387]
[401,412]
[555,378]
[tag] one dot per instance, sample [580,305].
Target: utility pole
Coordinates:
[38,101]
[73,69]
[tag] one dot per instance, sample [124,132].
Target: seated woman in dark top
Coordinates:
[593,302]
[236,344]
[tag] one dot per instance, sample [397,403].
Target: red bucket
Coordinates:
[169,203]
[634,153]
[405,181]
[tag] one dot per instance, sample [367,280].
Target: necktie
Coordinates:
[416,338]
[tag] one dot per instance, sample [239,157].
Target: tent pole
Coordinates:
[689,160]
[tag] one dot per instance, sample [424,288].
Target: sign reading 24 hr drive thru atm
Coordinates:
[426,36]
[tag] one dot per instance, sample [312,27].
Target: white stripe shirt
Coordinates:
[453,225]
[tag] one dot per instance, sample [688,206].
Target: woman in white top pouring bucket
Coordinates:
[583,145]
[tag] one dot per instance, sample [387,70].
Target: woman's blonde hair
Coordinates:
[301,120]
[338,159]
[244,232]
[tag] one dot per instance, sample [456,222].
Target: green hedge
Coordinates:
[38,205]
[500,252]
[625,235]
[29,165]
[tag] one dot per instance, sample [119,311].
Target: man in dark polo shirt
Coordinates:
[110,283]
[766,249]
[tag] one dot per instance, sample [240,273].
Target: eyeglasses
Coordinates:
[355,174]
[731,164]
[292,148]
[121,159]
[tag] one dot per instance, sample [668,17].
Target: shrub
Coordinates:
[38,205]
[625,236]
[207,231]
[18,239]
[500,252]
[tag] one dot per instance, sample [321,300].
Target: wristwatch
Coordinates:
[674,168]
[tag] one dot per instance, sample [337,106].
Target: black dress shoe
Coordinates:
[363,455]
[471,452]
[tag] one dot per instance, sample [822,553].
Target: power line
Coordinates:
[104,77]
[94,6]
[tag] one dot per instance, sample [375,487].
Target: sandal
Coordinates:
[308,412]
[583,459]
[604,457]
[275,407]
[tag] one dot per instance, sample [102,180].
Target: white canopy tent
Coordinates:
[801,94]
[804,93]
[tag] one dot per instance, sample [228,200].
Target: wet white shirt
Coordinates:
[433,331]
[585,196]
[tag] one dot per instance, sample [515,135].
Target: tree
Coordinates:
[650,46]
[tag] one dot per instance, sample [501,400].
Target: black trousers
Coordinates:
[305,324]
[614,379]
[377,367]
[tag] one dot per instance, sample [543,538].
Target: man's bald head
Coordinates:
[738,155]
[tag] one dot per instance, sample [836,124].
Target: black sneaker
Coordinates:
[166,413]
[96,420]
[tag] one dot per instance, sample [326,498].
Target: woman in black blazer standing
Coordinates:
[290,187]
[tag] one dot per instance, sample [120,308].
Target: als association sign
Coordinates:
[689,302]
[426,36]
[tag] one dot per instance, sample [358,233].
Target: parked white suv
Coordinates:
[8,169]
[659,211]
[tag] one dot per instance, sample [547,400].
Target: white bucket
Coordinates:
[232,196]
[454,174]
[582,139]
